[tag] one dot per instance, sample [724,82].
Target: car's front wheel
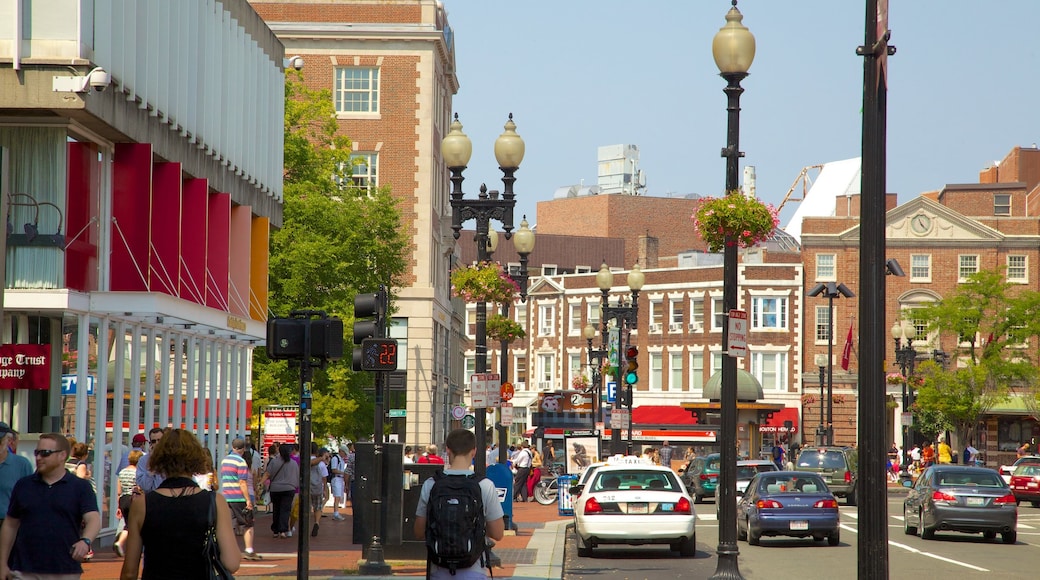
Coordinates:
[907,528]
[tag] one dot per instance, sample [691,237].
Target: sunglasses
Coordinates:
[45,452]
[153,441]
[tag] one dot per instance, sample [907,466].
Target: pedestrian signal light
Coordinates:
[632,370]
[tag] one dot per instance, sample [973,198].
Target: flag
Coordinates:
[846,353]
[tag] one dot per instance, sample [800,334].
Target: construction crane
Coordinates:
[806,181]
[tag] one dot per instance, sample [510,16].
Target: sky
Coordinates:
[580,74]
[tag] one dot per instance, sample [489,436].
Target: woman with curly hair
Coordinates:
[169,525]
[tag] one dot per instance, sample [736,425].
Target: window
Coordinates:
[1011,433]
[675,319]
[582,269]
[971,335]
[825,268]
[1001,204]
[656,360]
[656,314]
[593,313]
[768,313]
[920,268]
[520,366]
[574,366]
[770,368]
[675,368]
[1016,269]
[697,314]
[471,320]
[718,311]
[696,371]
[356,89]
[716,362]
[548,269]
[364,171]
[574,319]
[546,376]
[546,320]
[471,367]
[967,264]
[823,317]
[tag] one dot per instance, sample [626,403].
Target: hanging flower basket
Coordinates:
[501,328]
[894,379]
[608,369]
[484,282]
[580,383]
[746,219]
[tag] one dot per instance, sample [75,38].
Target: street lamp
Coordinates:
[734,49]
[830,290]
[906,357]
[821,429]
[625,318]
[523,242]
[596,357]
[456,149]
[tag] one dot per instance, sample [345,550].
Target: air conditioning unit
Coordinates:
[655,328]
[545,385]
[545,331]
[695,327]
[675,327]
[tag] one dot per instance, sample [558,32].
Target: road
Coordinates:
[950,555]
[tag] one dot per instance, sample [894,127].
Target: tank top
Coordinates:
[174,532]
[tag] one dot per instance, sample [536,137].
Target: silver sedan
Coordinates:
[961,499]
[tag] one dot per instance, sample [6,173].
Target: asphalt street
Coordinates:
[949,555]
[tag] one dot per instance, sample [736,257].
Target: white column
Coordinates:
[165,378]
[191,387]
[177,376]
[149,386]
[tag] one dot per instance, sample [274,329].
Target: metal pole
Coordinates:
[303,539]
[830,368]
[872,487]
[480,460]
[615,432]
[503,441]
[727,549]
[821,431]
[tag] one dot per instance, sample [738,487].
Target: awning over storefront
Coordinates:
[775,424]
[662,415]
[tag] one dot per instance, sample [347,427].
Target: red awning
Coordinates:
[776,423]
[663,415]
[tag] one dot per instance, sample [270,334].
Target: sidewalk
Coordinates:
[534,551]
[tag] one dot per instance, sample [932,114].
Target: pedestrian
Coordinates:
[136,444]
[971,455]
[77,463]
[409,454]
[690,454]
[944,453]
[319,476]
[1023,451]
[792,454]
[462,448]
[147,480]
[536,472]
[431,455]
[125,492]
[778,455]
[927,455]
[12,468]
[234,486]
[350,463]
[168,526]
[282,477]
[52,518]
[337,466]
[522,462]
[666,453]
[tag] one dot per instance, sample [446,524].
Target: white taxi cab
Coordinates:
[634,502]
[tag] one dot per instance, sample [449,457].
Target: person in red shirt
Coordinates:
[431,456]
[927,455]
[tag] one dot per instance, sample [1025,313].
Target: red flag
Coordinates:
[846,353]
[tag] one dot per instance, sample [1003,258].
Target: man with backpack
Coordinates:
[456,514]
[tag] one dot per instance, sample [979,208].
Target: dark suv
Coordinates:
[701,476]
[837,467]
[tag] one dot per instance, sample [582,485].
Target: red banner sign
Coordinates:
[25,366]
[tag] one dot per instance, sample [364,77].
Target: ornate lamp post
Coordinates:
[906,358]
[456,149]
[821,429]
[523,242]
[625,318]
[734,50]
[830,290]
[596,357]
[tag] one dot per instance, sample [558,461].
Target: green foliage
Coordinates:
[745,218]
[502,328]
[484,282]
[336,241]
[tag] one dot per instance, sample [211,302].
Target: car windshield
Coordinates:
[1027,470]
[749,471]
[791,484]
[821,459]
[635,479]
[969,479]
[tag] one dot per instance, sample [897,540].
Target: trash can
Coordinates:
[564,504]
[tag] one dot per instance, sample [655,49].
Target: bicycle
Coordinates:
[547,490]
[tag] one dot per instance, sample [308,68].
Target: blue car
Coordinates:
[788,503]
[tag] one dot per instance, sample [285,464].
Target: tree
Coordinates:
[337,240]
[993,322]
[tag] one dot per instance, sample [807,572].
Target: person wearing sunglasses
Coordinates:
[148,480]
[12,468]
[52,519]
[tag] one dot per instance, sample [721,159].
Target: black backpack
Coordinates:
[456,526]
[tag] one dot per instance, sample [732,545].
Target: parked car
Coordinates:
[961,499]
[1007,470]
[788,503]
[1025,483]
[701,476]
[591,469]
[635,504]
[837,467]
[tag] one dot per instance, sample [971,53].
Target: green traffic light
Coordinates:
[631,378]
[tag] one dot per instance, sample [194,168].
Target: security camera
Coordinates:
[295,62]
[99,79]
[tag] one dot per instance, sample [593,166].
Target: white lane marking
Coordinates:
[923,553]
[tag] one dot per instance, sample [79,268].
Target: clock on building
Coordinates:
[921,224]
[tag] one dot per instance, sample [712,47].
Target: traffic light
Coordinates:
[376,353]
[632,370]
[626,396]
[285,336]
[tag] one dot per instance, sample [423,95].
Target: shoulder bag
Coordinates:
[214,566]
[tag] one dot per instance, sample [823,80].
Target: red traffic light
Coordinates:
[631,352]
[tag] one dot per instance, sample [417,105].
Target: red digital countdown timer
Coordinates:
[379,354]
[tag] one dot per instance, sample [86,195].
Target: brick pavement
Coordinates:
[332,552]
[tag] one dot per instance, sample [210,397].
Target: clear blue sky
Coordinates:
[579,74]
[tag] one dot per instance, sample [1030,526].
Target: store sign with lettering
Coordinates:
[25,366]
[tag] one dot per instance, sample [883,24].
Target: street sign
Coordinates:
[468,422]
[478,390]
[398,413]
[738,325]
[611,391]
[458,412]
[494,389]
[906,419]
[507,415]
[507,391]
[69,382]
[618,418]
